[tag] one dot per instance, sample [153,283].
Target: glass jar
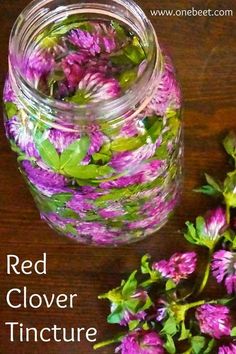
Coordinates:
[93,111]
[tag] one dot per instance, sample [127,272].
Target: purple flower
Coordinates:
[20,129]
[109,43]
[215,223]
[37,66]
[161,310]
[141,342]
[227,349]
[47,182]
[85,40]
[62,139]
[129,316]
[214,320]
[8,93]
[112,211]
[130,128]
[147,224]
[224,269]
[147,172]
[72,65]
[168,92]
[97,87]
[107,36]
[79,204]
[97,139]
[130,159]
[159,207]
[97,231]
[179,266]
[57,220]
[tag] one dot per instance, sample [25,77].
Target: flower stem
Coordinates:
[195,304]
[206,274]
[227,213]
[189,351]
[105,343]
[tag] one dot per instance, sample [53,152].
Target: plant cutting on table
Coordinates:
[157,306]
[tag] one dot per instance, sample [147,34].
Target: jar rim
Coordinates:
[110,108]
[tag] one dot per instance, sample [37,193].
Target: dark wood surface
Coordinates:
[204,52]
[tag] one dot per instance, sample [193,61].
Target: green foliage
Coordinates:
[49,154]
[170,345]
[11,109]
[127,144]
[50,36]
[229,144]
[75,153]
[88,171]
[198,344]
[233,332]
[127,78]
[170,326]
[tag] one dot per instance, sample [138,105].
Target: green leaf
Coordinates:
[233,332]
[120,31]
[130,285]
[81,97]
[170,285]
[49,154]
[88,171]
[208,190]
[170,345]
[145,264]
[71,229]
[133,324]
[191,234]
[127,144]
[11,109]
[200,225]
[116,316]
[68,213]
[127,78]
[75,153]
[234,243]
[210,347]
[155,131]
[135,51]
[174,124]
[103,158]
[120,59]
[162,152]
[170,326]
[229,189]
[229,144]
[225,301]
[185,333]
[211,181]
[198,343]
[133,305]
[62,198]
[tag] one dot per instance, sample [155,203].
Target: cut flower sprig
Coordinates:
[161,307]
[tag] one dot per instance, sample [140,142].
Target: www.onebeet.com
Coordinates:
[192,12]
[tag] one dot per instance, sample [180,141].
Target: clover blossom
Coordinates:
[214,320]
[224,269]
[208,230]
[141,342]
[179,266]
[227,349]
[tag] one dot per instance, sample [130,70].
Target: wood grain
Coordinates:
[204,51]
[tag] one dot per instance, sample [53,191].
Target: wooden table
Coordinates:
[204,52]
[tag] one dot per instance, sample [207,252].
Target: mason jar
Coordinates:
[93,112]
